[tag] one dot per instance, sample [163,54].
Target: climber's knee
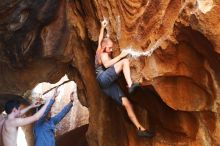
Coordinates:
[125,61]
[125,102]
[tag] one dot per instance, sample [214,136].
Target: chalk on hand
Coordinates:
[151,48]
[104,21]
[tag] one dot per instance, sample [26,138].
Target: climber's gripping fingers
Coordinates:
[123,54]
[104,23]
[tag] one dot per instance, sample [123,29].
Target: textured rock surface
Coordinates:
[77,116]
[43,40]
[76,137]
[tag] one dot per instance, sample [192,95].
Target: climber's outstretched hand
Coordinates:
[104,23]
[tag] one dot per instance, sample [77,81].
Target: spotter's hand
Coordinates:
[36,104]
[56,93]
[72,96]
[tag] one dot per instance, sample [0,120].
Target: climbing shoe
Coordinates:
[145,133]
[133,87]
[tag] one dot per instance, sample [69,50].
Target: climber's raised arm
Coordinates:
[104,23]
[107,61]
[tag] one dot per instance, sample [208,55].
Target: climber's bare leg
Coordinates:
[124,65]
[126,103]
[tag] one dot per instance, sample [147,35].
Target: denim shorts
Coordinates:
[107,81]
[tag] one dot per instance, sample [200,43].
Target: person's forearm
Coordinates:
[40,113]
[101,35]
[67,108]
[23,111]
[111,62]
[56,119]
